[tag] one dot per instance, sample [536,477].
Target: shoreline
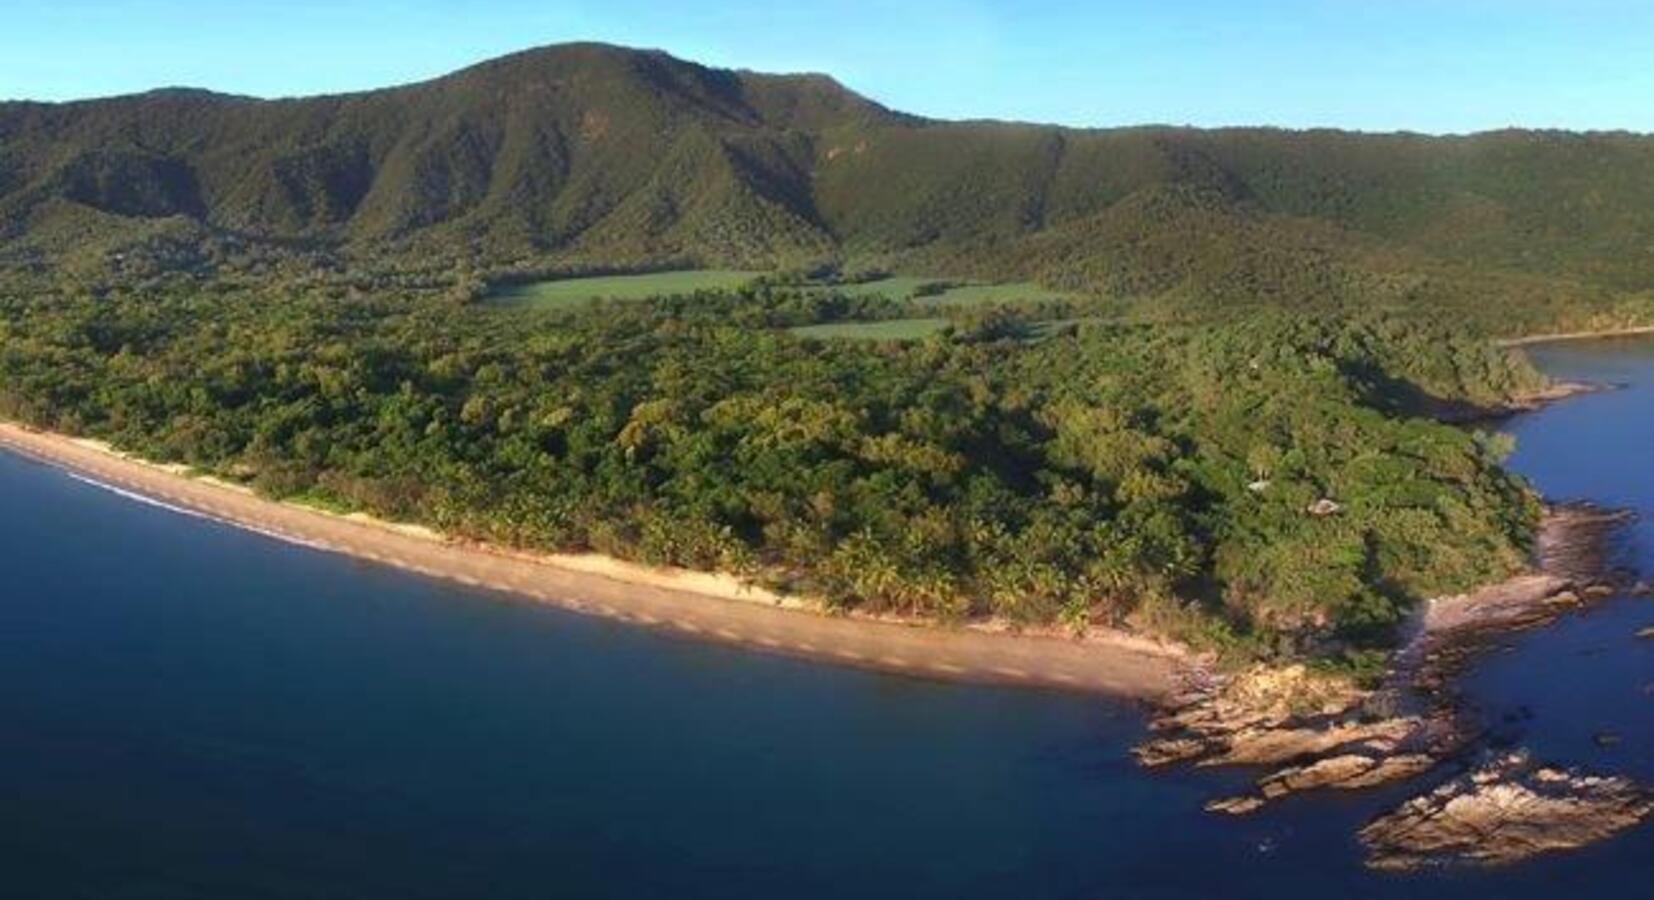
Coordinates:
[1463,412]
[703,605]
[1566,336]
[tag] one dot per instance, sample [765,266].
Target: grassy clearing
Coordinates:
[569,293]
[895,287]
[890,330]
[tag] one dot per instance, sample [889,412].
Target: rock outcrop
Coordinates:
[1261,715]
[1346,772]
[1504,812]
[1321,732]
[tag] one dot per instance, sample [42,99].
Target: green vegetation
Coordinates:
[593,158]
[568,293]
[989,294]
[1106,473]
[894,287]
[1155,350]
[887,330]
[942,292]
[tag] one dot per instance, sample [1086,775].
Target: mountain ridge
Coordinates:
[603,154]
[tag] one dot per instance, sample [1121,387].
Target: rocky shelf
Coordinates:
[1503,812]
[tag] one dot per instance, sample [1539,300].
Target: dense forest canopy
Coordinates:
[1108,473]
[1213,425]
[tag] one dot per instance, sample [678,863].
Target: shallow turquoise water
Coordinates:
[191,711]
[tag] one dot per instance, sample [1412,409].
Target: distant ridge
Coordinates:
[627,157]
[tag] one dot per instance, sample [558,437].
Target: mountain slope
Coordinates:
[546,149]
[623,157]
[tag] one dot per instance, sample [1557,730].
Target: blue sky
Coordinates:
[1442,66]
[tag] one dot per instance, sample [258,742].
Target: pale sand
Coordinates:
[707,605]
[1628,331]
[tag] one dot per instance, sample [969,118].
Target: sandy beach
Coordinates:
[702,605]
[1566,336]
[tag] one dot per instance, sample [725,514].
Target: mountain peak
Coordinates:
[797,99]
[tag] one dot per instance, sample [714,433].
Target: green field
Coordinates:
[889,330]
[569,293]
[895,287]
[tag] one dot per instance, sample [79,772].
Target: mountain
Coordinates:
[626,152]
[624,157]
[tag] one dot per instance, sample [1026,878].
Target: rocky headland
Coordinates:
[1310,730]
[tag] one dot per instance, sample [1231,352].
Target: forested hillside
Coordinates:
[596,155]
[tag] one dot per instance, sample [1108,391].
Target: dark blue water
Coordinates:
[1587,675]
[191,711]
